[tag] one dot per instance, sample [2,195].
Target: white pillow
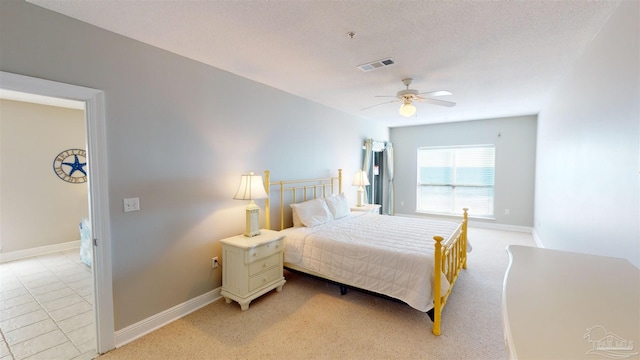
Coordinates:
[296,218]
[313,212]
[338,205]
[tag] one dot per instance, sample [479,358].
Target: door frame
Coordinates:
[98,190]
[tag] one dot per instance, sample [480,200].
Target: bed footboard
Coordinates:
[450,257]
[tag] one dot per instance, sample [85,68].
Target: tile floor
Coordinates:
[46,308]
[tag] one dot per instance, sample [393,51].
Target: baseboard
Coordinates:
[537,239]
[505,227]
[141,328]
[38,251]
[477,224]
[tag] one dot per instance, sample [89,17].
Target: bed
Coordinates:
[405,258]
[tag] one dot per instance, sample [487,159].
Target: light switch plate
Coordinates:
[131,204]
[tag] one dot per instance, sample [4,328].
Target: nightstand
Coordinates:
[251,266]
[370,208]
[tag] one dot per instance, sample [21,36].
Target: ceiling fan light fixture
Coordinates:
[407,109]
[407,96]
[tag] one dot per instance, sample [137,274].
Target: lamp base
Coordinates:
[253,224]
[360,197]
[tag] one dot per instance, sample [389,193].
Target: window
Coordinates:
[452,178]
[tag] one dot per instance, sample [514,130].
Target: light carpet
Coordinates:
[309,319]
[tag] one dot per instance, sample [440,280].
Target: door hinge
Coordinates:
[95,242]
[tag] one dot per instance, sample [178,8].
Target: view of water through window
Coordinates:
[453,178]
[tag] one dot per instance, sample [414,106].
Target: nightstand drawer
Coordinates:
[263,264]
[263,251]
[265,278]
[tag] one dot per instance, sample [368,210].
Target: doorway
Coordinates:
[47,285]
[98,190]
[376,172]
[374,163]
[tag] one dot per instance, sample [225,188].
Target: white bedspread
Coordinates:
[390,255]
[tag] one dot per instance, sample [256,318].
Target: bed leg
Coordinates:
[437,294]
[343,290]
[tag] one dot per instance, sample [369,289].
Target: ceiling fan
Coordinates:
[408,96]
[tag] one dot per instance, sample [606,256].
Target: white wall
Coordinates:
[38,208]
[514,139]
[588,162]
[179,134]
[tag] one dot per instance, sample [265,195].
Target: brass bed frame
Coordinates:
[450,255]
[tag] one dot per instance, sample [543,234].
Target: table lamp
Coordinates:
[251,187]
[360,180]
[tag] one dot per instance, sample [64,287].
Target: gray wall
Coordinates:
[179,134]
[587,181]
[515,140]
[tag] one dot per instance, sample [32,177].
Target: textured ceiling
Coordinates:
[498,58]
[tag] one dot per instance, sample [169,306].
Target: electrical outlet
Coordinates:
[131,204]
[214,262]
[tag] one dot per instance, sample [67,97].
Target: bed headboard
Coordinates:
[295,191]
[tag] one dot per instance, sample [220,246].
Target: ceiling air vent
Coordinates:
[376,64]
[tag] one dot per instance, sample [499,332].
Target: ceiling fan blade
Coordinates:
[388,102]
[387,96]
[436,93]
[439,102]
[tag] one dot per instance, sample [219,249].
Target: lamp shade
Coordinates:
[407,109]
[251,187]
[360,179]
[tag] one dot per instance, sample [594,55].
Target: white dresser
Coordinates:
[251,266]
[566,305]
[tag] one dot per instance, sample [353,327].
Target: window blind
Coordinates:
[452,178]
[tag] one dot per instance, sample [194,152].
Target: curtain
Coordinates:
[389,155]
[367,164]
